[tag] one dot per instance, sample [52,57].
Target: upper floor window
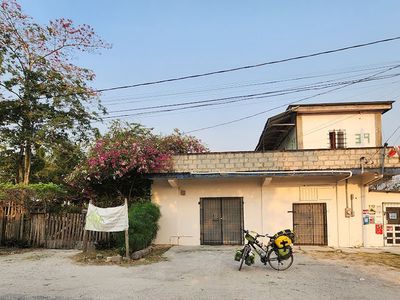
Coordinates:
[337,139]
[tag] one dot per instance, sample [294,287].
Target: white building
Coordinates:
[310,171]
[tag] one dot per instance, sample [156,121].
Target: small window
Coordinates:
[337,139]
[340,139]
[332,139]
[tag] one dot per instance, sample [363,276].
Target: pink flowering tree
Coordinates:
[44,96]
[118,162]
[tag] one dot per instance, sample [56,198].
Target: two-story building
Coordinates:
[311,171]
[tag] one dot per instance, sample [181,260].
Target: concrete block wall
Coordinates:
[282,160]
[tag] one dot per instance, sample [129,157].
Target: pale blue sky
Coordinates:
[160,39]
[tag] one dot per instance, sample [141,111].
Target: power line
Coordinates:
[252,66]
[328,124]
[240,68]
[290,103]
[246,96]
[116,101]
[394,132]
[395,141]
[233,99]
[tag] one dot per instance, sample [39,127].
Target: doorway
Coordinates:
[221,221]
[310,224]
[391,224]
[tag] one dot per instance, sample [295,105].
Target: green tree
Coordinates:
[117,164]
[8,169]
[45,96]
[57,162]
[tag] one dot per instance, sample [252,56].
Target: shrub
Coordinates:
[44,197]
[15,243]
[143,225]
[106,244]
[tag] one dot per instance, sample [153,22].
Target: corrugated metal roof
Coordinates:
[275,131]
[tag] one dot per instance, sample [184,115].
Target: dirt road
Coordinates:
[190,273]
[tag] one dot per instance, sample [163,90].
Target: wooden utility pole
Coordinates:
[85,236]
[126,233]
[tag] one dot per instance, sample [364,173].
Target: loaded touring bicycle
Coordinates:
[277,253]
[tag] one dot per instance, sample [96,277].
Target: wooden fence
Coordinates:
[56,231]
[11,221]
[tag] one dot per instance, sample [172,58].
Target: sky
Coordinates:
[153,40]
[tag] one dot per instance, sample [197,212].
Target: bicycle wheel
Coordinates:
[244,256]
[278,264]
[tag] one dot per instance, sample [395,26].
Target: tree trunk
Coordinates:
[20,163]
[27,162]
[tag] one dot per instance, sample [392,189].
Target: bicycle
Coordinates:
[277,253]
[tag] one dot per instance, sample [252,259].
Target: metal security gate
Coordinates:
[221,221]
[309,223]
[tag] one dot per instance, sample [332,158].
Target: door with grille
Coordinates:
[392,224]
[221,221]
[310,224]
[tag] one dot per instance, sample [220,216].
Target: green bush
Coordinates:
[15,243]
[40,191]
[143,225]
[43,197]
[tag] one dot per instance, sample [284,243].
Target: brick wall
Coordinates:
[282,160]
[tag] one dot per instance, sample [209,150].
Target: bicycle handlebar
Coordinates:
[259,235]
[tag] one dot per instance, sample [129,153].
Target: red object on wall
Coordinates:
[379,228]
[393,151]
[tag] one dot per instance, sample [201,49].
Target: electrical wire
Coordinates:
[394,132]
[234,99]
[289,103]
[328,124]
[117,100]
[238,68]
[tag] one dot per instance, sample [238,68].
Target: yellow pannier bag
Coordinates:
[283,241]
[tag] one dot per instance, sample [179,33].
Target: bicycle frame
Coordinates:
[268,253]
[261,250]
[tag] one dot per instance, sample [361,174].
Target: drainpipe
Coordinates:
[346,179]
[350,175]
[262,209]
[337,216]
[347,206]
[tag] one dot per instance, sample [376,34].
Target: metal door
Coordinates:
[310,224]
[392,224]
[221,221]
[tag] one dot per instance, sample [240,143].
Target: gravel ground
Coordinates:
[191,273]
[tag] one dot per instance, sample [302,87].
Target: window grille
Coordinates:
[340,139]
[337,139]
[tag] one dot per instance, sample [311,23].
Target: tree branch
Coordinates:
[22,41]
[66,46]
[7,45]
[11,91]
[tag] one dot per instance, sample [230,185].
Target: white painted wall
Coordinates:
[349,229]
[359,128]
[279,199]
[180,215]
[265,208]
